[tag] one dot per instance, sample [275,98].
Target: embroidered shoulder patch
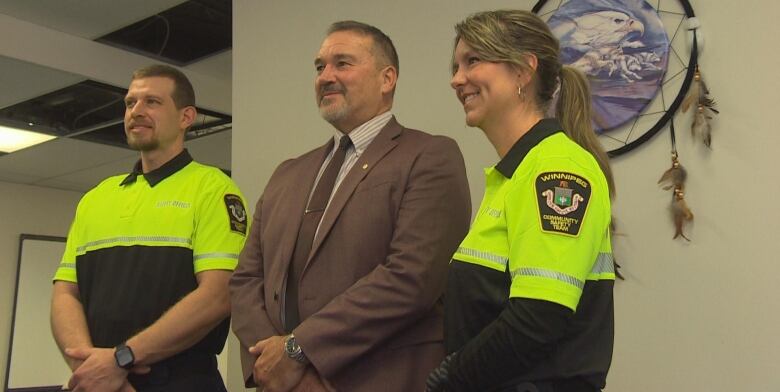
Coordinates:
[563,198]
[236,213]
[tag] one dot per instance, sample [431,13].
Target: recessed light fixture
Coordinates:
[13,139]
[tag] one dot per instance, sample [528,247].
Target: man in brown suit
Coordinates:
[365,227]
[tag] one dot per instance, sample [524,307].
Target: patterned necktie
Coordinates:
[311,220]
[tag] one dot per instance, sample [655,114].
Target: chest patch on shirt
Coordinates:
[563,198]
[236,213]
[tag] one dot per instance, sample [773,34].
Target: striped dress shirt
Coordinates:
[361,137]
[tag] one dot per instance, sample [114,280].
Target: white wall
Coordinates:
[26,210]
[702,316]
[696,316]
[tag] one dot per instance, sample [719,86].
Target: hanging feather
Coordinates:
[695,91]
[701,125]
[699,122]
[674,177]
[704,111]
[680,213]
[698,96]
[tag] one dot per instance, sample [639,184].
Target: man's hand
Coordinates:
[73,363]
[274,370]
[313,382]
[99,371]
[100,368]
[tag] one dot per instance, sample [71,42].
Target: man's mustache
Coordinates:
[138,123]
[331,88]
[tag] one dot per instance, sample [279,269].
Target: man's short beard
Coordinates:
[137,145]
[334,115]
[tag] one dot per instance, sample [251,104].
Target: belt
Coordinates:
[179,365]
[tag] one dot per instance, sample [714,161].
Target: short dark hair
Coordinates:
[383,45]
[183,94]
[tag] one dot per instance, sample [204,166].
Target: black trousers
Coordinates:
[189,372]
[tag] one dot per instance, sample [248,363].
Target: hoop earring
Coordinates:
[521,93]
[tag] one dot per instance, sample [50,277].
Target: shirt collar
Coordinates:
[364,134]
[156,176]
[544,128]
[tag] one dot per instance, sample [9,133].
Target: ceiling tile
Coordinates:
[86,179]
[219,66]
[22,80]
[18,178]
[63,185]
[84,18]
[59,157]
[179,35]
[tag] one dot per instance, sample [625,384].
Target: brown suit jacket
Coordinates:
[369,296]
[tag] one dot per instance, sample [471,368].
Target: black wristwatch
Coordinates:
[124,356]
[294,351]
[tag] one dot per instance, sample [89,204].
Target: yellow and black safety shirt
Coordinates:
[529,294]
[138,241]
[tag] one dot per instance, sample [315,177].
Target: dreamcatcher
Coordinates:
[641,59]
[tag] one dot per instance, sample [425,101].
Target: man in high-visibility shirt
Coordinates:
[140,298]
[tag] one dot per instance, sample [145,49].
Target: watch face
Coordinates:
[124,357]
[294,351]
[290,346]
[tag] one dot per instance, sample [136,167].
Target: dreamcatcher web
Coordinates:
[673,86]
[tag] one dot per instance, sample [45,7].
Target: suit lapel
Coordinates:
[298,191]
[379,147]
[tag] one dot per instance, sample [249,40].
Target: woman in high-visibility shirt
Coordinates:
[529,299]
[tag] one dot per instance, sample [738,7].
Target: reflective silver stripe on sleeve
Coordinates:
[68,265]
[605,263]
[215,256]
[544,273]
[484,256]
[142,238]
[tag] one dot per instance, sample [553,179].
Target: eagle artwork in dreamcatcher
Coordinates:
[641,58]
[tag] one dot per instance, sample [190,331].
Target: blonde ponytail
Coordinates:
[574,113]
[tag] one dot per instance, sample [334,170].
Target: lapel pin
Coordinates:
[365,166]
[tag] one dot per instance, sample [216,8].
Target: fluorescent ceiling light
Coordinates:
[12,139]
